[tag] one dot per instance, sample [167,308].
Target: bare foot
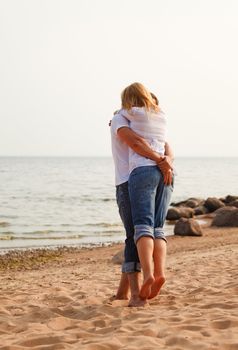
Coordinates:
[123,288]
[146,287]
[156,286]
[136,301]
[121,296]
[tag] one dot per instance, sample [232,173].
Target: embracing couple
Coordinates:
[144,183]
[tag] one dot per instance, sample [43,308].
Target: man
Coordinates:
[122,138]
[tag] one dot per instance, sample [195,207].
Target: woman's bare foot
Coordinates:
[146,287]
[136,301]
[156,286]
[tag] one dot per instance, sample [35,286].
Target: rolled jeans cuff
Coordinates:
[159,234]
[130,267]
[143,231]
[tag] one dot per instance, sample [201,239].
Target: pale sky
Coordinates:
[64,63]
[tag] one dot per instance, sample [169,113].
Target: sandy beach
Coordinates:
[63,300]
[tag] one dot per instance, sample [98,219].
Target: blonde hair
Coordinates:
[155,98]
[136,95]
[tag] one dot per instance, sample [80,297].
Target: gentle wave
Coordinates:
[104,224]
[9,217]
[4,224]
[62,232]
[60,237]
[6,233]
[64,199]
[5,238]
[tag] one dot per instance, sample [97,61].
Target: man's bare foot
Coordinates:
[146,287]
[123,288]
[136,301]
[156,286]
[121,296]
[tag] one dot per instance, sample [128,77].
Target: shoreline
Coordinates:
[203,220]
[4,251]
[36,257]
[17,258]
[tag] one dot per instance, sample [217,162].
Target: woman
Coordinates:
[145,185]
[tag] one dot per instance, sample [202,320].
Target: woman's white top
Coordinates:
[151,126]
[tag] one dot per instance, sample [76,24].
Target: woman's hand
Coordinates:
[166,168]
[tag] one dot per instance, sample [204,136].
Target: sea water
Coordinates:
[46,202]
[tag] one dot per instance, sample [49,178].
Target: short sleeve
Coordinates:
[118,121]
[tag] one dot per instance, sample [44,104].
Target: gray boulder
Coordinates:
[233,204]
[177,204]
[200,210]
[118,258]
[177,213]
[227,216]
[190,203]
[230,199]
[193,202]
[187,227]
[213,204]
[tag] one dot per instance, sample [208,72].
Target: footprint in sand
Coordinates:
[181,341]
[190,328]
[226,306]
[233,346]
[221,324]
[60,323]
[48,340]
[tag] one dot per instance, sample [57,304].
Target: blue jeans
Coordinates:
[131,262]
[131,258]
[149,202]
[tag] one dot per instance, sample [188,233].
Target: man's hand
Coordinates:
[166,168]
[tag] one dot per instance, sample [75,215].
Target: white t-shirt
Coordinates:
[151,126]
[120,150]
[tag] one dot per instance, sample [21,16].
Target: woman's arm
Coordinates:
[169,152]
[140,146]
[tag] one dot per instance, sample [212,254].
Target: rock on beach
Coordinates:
[197,206]
[227,216]
[187,227]
[213,204]
[177,213]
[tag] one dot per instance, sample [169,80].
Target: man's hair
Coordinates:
[136,95]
